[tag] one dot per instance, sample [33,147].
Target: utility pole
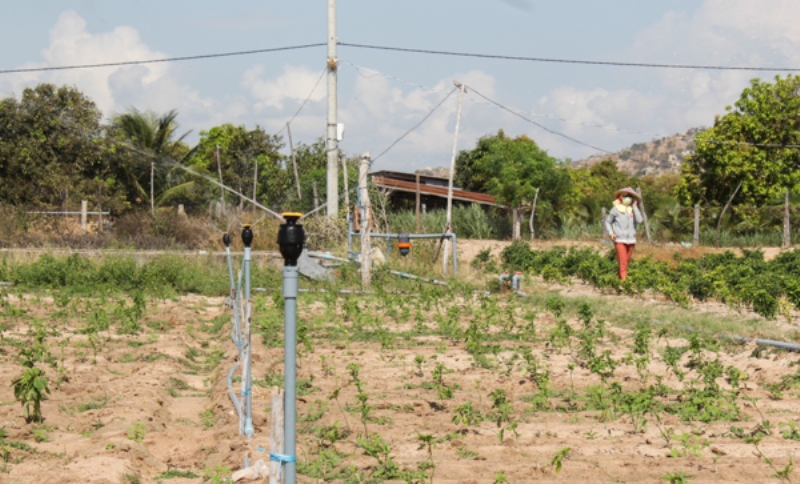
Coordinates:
[449,221]
[255,181]
[332,144]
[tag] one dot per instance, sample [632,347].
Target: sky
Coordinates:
[382,94]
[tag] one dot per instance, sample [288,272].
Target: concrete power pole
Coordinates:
[332,143]
[449,221]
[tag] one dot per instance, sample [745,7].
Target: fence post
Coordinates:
[316,199]
[644,215]
[84,214]
[787,227]
[276,435]
[533,213]
[366,256]
[603,215]
[696,237]
[418,200]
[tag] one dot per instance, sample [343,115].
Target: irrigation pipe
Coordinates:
[4,283]
[388,237]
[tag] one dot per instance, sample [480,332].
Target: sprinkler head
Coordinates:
[226,239]
[291,238]
[247,235]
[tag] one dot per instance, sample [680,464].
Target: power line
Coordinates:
[416,125]
[541,126]
[155,61]
[313,90]
[571,61]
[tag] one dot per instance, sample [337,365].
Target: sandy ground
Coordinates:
[158,380]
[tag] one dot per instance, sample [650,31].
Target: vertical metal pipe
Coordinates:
[248,420]
[290,276]
[455,254]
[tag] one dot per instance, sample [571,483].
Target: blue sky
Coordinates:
[382,94]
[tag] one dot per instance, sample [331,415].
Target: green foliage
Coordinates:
[748,280]
[746,146]
[136,432]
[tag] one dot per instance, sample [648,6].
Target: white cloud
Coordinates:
[294,84]
[113,89]
[719,32]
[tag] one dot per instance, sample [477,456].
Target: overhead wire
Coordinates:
[539,125]
[156,61]
[425,118]
[570,61]
[376,72]
[313,90]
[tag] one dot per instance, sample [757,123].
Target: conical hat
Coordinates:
[628,191]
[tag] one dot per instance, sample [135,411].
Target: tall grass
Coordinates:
[469,221]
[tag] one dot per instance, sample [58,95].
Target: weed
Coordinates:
[136,432]
[676,477]
[208,419]
[558,459]
[173,473]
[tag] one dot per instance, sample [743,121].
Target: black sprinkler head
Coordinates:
[291,238]
[247,235]
[226,239]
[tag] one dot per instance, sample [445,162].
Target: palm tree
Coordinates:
[153,135]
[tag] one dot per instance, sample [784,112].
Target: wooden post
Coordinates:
[181,210]
[294,161]
[696,236]
[152,198]
[99,209]
[84,214]
[644,215]
[346,187]
[221,190]
[418,200]
[603,215]
[255,181]
[276,435]
[517,224]
[533,213]
[787,228]
[316,200]
[366,259]
[725,209]
[425,218]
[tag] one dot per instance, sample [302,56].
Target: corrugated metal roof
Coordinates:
[380,179]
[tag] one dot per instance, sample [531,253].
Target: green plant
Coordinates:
[558,459]
[500,478]
[679,477]
[136,432]
[173,473]
[30,389]
[466,414]
[217,475]
[208,419]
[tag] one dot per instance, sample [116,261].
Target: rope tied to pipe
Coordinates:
[274,457]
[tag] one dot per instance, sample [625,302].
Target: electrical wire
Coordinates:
[155,61]
[321,74]
[570,61]
[416,125]
[541,126]
[376,72]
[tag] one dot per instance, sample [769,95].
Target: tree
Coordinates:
[512,169]
[240,150]
[53,150]
[153,136]
[755,143]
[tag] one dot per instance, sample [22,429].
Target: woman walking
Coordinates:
[621,225]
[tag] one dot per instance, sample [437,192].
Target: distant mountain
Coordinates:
[655,157]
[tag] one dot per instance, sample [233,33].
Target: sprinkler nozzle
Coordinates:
[291,238]
[226,239]
[247,235]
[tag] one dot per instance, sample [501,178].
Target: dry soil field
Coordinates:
[444,386]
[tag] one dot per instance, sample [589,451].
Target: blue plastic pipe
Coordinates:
[290,280]
[248,397]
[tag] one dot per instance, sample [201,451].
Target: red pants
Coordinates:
[624,253]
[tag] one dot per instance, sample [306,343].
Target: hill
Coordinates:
[655,157]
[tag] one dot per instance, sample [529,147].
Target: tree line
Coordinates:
[55,150]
